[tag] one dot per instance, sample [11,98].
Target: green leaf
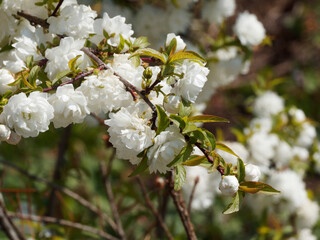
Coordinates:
[182,156]
[33,75]
[172,47]
[179,177]
[257,187]
[142,166]
[141,42]
[207,118]
[29,61]
[73,63]
[167,70]
[149,52]
[122,43]
[241,170]
[61,75]
[178,121]
[189,128]
[195,160]
[234,206]
[25,81]
[185,108]
[210,139]
[163,120]
[225,148]
[182,55]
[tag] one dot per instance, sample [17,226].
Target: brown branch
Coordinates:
[57,8]
[8,227]
[63,146]
[72,80]
[64,190]
[63,222]
[210,160]
[128,85]
[153,209]
[34,20]
[105,175]
[196,181]
[182,210]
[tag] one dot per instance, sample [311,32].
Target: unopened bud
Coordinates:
[253,173]
[147,73]
[229,185]
[14,138]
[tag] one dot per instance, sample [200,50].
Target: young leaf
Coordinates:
[142,166]
[122,43]
[33,75]
[195,160]
[179,121]
[141,42]
[210,139]
[73,63]
[257,187]
[61,75]
[225,148]
[207,118]
[179,177]
[234,206]
[182,55]
[172,47]
[163,120]
[182,156]
[29,61]
[190,128]
[185,108]
[241,170]
[149,52]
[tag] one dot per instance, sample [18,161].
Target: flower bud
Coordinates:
[4,132]
[14,138]
[229,185]
[253,173]
[147,73]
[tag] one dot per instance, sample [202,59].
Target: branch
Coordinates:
[210,160]
[64,190]
[63,222]
[63,145]
[34,20]
[8,226]
[125,83]
[196,181]
[182,210]
[153,209]
[105,175]
[72,80]
[57,8]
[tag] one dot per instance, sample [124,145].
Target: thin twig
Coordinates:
[63,222]
[64,190]
[57,8]
[182,210]
[105,174]
[34,20]
[63,146]
[210,160]
[88,52]
[153,209]
[196,181]
[7,225]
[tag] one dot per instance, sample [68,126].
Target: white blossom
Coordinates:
[130,132]
[104,92]
[261,124]
[238,149]
[7,26]
[229,185]
[268,104]
[248,29]
[6,78]
[74,21]
[304,234]
[113,26]
[253,172]
[307,135]
[307,214]
[14,138]
[5,132]
[70,106]
[27,115]
[59,57]
[283,154]
[193,80]
[166,147]
[217,10]
[297,114]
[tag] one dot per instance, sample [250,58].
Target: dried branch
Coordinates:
[196,181]
[182,210]
[128,85]
[105,174]
[64,190]
[63,222]
[7,225]
[34,20]
[54,13]
[153,209]
[63,146]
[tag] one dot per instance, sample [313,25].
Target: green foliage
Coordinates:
[163,120]
[234,206]
[179,177]
[257,187]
